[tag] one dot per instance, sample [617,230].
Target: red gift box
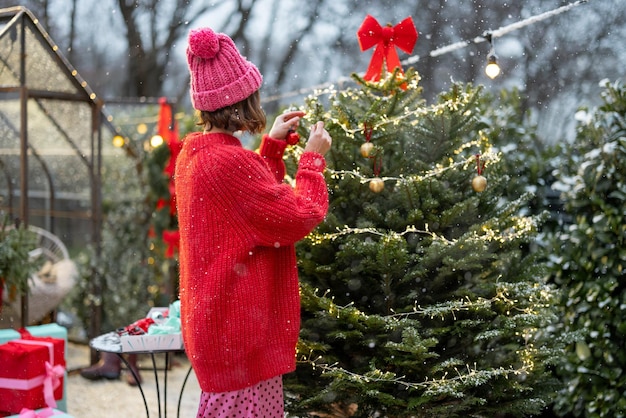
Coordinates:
[31,373]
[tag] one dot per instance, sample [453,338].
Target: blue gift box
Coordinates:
[7,335]
[46,330]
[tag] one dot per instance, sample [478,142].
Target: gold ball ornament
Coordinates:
[366,149]
[377,185]
[479,183]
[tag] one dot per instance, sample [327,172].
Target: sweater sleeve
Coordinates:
[269,213]
[272,150]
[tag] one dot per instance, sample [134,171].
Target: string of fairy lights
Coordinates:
[492,68]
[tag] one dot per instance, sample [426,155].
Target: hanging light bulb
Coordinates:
[492,69]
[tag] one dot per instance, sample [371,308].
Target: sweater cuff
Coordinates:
[272,148]
[312,161]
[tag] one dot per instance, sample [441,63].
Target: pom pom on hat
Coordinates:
[220,75]
[204,43]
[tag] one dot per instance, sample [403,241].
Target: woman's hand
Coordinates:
[284,123]
[319,139]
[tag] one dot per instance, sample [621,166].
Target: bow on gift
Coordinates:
[44,413]
[403,35]
[51,382]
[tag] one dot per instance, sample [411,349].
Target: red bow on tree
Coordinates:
[168,129]
[403,36]
[172,239]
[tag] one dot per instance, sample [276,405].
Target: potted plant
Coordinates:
[16,264]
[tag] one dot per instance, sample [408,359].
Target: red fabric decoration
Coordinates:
[138,327]
[160,204]
[403,35]
[168,129]
[172,239]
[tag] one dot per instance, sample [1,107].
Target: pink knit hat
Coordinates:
[220,75]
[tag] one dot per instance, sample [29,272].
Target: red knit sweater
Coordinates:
[240,303]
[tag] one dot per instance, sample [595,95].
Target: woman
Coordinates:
[238,222]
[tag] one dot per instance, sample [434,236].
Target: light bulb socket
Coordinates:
[493,69]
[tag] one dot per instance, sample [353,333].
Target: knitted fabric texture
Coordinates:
[240,302]
[220,76]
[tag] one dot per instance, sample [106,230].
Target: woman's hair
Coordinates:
[246,115]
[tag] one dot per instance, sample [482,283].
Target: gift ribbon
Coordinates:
[50,380]
[42,413]
[21,384]
[403,35]
[54,373]
[171,325]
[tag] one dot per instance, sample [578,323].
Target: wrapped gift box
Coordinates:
[44,412]
[7,335]
[23,371]
[46,330]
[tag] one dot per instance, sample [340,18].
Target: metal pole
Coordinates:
[23,155]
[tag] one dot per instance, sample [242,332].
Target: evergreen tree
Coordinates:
[420,295]
[589,259]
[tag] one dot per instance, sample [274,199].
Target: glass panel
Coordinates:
[10,57]
[70,122]
[43,72]
[59,162]
[9,156]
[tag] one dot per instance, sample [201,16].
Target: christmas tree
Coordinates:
[421,295]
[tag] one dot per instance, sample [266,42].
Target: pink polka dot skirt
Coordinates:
[263,400]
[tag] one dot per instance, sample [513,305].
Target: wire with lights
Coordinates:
[492,69]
